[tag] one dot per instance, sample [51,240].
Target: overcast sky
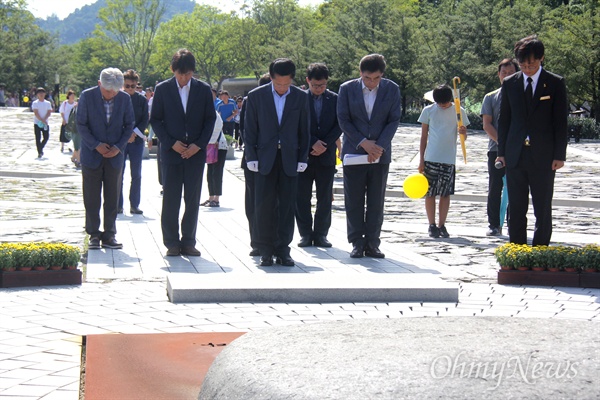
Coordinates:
[62,8]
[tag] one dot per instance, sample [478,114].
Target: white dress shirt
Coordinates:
[369,97]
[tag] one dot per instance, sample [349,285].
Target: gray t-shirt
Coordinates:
[443,132]
[491,106]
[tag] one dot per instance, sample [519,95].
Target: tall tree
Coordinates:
[133,24]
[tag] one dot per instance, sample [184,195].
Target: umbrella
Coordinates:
[429,96]
[459,119]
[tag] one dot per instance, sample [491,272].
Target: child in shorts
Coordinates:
[438,155]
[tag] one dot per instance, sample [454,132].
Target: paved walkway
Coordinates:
[124,291]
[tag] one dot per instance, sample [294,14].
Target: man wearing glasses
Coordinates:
[532,140]
[276,132]
[324,131]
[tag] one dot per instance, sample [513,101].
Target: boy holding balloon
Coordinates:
[437,152]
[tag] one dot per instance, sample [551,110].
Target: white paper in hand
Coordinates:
[358,159]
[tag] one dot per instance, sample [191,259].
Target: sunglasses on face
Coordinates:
[130,86]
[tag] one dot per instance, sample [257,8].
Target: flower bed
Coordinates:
[549,265]
[39,264]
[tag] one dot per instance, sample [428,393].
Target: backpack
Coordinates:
[71,126]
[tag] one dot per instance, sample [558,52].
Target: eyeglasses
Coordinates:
[320,86]
[530,67]
[130,86]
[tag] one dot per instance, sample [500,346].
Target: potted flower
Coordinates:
[230,149]
[556,258]
[23,257]
[589,258]
[571,263]
[40,255]
[7,261]
[539,258]
[502,257]
[72,257]
[514,256]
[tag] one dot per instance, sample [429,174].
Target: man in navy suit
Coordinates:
[276,137]
[183,116]
[532,140]
[324,131]
[105,122]
[369,112]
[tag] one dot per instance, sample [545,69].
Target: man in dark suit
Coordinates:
[369,112]
[183,116]
[276,137]
[532,140]
[249,193]
[324,131]
[135,144]
[104,121]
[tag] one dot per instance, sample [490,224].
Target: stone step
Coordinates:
[309,288]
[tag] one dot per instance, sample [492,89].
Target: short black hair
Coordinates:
[527,47]
[266,78]
[508,61]
[317,71]
[131,75]
[282,67]
[224,92]
[442,94]
[40,90]
[372,63]
[183,61]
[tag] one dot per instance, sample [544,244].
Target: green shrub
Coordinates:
[588,128]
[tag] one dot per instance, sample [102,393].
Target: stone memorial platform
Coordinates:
[412,358]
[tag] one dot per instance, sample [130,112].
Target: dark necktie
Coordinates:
[529,91]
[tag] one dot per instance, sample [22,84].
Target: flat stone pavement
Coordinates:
[124,291]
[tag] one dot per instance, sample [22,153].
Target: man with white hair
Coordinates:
[105,121]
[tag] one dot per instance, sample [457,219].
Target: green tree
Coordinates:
[572,50]
[133,25]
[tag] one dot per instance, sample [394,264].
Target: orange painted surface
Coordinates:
[150,366]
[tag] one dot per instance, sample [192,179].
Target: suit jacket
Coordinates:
[263,132]
[171,123]
[326,128]
[546,123]
[93,128]
[355,123]
[140,110]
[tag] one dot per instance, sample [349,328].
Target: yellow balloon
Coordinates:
[415,186]
[26,99]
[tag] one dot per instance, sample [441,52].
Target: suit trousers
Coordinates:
[495,186]
[105,180]
[135,152]
[520,179]
[275,200]
[249,199]
[322,176]
[186,176]
[214,175]
[360,181]
[39,132]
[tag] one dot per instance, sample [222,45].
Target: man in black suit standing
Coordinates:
[532,140]
[183,116]
[324,131]
[369,112]
[276,136]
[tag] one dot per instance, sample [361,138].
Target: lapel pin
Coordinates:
[544,85]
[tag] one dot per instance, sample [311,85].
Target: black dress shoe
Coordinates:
[286,261]
[321,241]
[266,261]
[111,244]
[357,252]
[374,252]
[173,251]
[135,210]
[190,251]
[254,253]
[305,241]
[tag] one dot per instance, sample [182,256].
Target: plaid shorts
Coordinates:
[440,177]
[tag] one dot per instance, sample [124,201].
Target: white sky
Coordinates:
[62,8]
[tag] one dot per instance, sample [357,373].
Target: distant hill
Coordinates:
[81,23]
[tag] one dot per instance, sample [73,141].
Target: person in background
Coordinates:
[2,96]
[324,132]
[42,109]
[490,113]
[438,155]
[214,171]
[105,121]
[65,111]
[135,145]
[236,119]
[228,110]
